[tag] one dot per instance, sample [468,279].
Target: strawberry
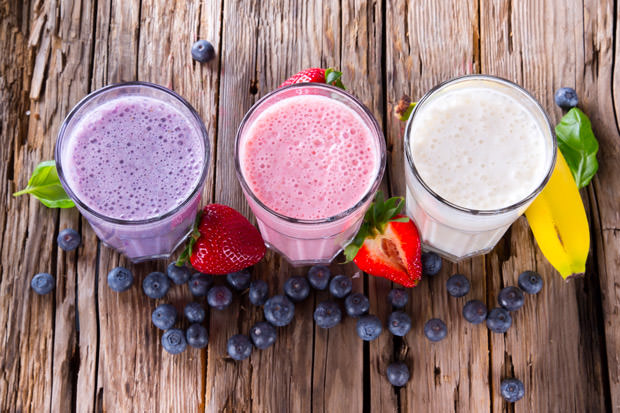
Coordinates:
[316,75]
[223,241]
[387,244]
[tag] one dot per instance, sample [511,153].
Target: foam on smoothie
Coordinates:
[133,158]
[309,157]
[478,148]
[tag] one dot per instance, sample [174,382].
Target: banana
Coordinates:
[558,220]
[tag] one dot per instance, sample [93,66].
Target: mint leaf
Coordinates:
[578,144]
[44,185]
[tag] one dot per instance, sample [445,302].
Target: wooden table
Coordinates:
[86,348]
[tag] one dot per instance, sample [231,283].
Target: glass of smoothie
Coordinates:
[133,157]
[309,158]
[478,150]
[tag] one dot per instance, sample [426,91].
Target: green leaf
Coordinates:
[187,251]
[333,77]
[44,185]
[578,144]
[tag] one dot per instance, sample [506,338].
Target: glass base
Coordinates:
[453,258]
[303,263]
[161,256]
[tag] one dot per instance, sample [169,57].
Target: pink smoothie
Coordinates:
[309,157]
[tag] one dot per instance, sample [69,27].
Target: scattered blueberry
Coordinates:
[239,347]
[68,239]
[318,276]
[120,279]
[164,316]
[200,283]
[43,283]
[263,335]
[566,98]
[511,298]
[259,292]
[499,320]
[197,336]
[174,341]
[435,330]
[398,374]
[156,284]
[512,390]
[239,280]
[399,323]
[327,314]
[178,275]
[369,327]
[279,310]
[398,297]
[531,282]
[219,297]
[340,286]
[203,51]
[356,304]
[475,311]
[458,285]
[297,289]
[194,312]
[431,263]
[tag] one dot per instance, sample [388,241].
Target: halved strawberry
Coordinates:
[388,243]
[316,75]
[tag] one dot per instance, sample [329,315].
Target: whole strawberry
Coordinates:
[223,242]
[387,244]
[316,75]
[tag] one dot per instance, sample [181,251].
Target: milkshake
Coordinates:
[478,150]
[309,159]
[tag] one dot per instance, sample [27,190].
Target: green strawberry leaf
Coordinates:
[333,77]
[191,241]
[45,185]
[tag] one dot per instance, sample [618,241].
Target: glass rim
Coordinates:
[373,126]
[193,116]
[471,211]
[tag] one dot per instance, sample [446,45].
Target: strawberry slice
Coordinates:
[316,75]
[387,244]
[223,241]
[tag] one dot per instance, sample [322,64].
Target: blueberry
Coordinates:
[178,275]
[340,286]
[259,291]
[156,285]
[511,298]
[219,297]
[200,283]
[499,320]
[399,323]
[458,285]
[68,239]
[369,327]
[194,313]
[239,347]
[512,390]
[431,263]
[297,289]
[398,374]
[43,283]
[318,276]
[356,304]
[279,310]
[566,98]
[174,341]
[263,335]
[239,280]
[398,297]
[531,282]
[197,336]
[475,311]
[327,314]
[164,316]
[435,330]
[203,51]
[120,279]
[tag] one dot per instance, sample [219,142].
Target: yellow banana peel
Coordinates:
[558,220]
